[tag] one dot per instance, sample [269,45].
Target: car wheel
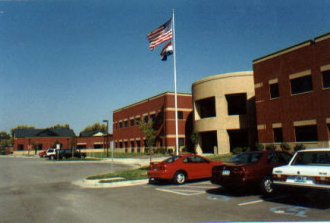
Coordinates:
[267,187]
[180,177]
[52,157]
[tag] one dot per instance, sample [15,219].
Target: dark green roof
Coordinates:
[33,133]
[90,133]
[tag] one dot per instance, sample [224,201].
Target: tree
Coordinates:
[96,127]
[150,135]
[4,139]
[59,126]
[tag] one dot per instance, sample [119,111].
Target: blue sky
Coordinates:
[75,61]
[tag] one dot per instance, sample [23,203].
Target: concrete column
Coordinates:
[223,142]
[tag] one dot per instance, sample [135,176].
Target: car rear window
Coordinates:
[171,159]
[312,158]
[245,158]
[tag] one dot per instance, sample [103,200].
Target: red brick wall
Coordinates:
[157,104]
[46,142]
[289,108]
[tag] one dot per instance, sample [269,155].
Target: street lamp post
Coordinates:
[107,137]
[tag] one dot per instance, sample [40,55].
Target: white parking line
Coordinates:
[182,192]
[250,202]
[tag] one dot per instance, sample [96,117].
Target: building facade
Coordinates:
[41,139]
[94,140]
[224,112]
[127,135]
[292,89]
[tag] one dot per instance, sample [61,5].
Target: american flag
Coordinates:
[160,35]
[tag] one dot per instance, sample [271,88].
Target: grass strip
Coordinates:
[132,174]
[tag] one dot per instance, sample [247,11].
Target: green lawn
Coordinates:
[132,174]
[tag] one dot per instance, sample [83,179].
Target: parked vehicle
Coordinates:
[250,169]
[69,153]
[42,153]
[182,168]
[308,168]
[53,154]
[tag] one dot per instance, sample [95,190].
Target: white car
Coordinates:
[309,168]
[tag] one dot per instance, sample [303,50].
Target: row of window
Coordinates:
[306,133]
[137,144]
[236,105]
[153,117]
[300,85]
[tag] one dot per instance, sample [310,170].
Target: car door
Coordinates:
[198,167]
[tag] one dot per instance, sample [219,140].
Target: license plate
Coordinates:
[225,172]
[300,179]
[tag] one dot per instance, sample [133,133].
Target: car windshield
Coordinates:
[245,158]
[312,158]
[171,159]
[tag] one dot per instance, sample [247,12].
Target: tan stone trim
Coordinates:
[261,127]
[327,120]
[152,113]
[277,125]
[179,109]
[81,143]
[137,138]
[174,136]
[97,143]
[322,38]
[273,81]
[258,85]
[260,101]
[300,74]
[305,122]
[325,67]
[282,52]
[138,116]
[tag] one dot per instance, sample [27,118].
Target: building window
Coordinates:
[153,117]
[206,107]
[120,125]
[301,84]
[236,104]
[132,122]
[278,134]
[137,121]
[20,147]
[180,114]
[125,124]
[306,133]
[146,119]
[181,142]
[274,91]
[326,79]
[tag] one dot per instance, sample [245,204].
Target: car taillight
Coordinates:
[322,180]
[279,177]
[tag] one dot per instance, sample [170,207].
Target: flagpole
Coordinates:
[175,91]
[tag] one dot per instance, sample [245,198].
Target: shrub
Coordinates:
[259,147]
[285,147]
[271,147]
[238,150]
[299,147]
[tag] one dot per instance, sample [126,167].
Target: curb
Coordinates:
[96,183]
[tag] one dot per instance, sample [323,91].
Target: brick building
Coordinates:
[160,108]
[292,90]
[93,140]
[41,139]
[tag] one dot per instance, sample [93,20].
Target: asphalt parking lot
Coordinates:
[35,190]
[284,206]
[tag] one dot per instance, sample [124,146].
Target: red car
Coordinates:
[181,168]
[42,153]
[250,169]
